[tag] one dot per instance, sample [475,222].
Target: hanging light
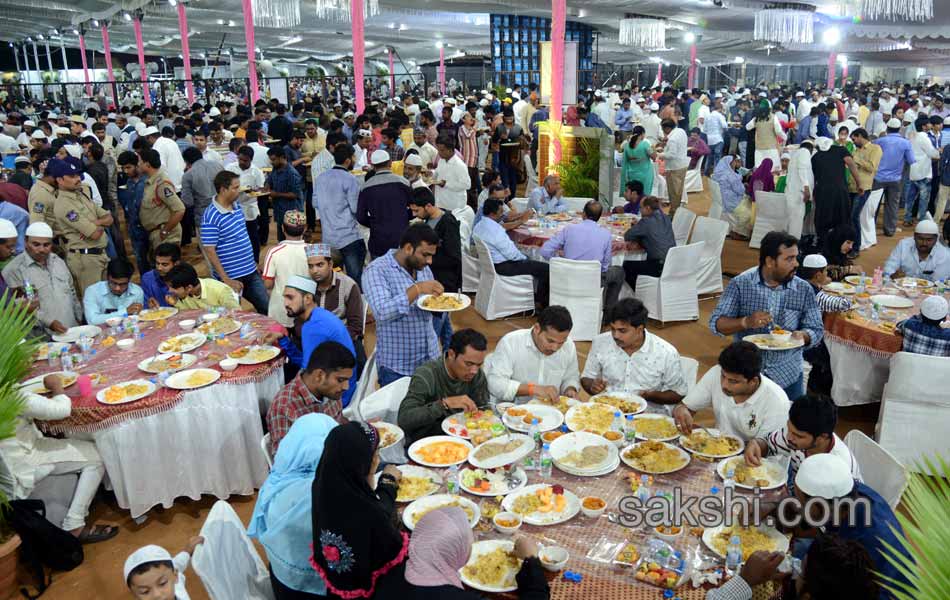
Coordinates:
[127,16]
[831,36]
[339,10]
[278,14]
[689,37]
[785,22]
[643,32]
[898,10]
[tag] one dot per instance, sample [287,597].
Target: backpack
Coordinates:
[43,544]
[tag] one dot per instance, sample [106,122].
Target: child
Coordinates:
[152,573]
[814,271]
[922,333]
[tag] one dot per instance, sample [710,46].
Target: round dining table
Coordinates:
[535,232]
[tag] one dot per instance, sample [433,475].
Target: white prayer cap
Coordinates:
[598,94]
[303,284]
[946,121]
[815,261]
[894,124]
[111,116]
[483,102]
[74,150]
[786,155]
[7,230]
[746,92]
[836,96]
[490,96]
[507,90]
[414,159]
[150,131]
[516,95]
[39,134]
[799,93]
[654,106]
[61,131]
[934,307]
[145,554]
[763,95]
[365,133]
[214,112]
[926,227]
[29,123]
[913,92]
[453,102]
[717,95]
[39,229]
[641,100]
[379,157]
[88,134]
[824,476]
[886,90]
[348,114]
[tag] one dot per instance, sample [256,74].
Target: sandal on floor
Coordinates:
[97,533]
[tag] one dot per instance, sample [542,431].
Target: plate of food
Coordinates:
[167,362]
[763,537]
[561,217]
[769,475]
[543,504]
[592,417]
[157,314]
[711,443]
[501,451]
[492,482]
[519,417]
[185,342]
[655,458]
[774,341]
[389,434]
[582,453]
[43,350]
[471,425]
[443,302]
[416,482]
[221,326]
[563,404]
[417,509]
[35,385]
[892,301]
[440,451]
[856,280]
[192,379]
[909,282]
[254,355]
[837,287]
[628,404]
[656,427]
[492,567]
[74,333]
[123,393]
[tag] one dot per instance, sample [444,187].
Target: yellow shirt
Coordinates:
[863,113]
[213,294]
[312,146]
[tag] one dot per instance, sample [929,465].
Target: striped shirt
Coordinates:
[225,231]
[468,146]
[777,443]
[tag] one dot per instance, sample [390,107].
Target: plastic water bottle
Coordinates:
[163,378]
[136,330]
[733,555]
[643,491]
[629,430]
[452,480]
[66,361]
[878,277]
[246,331]
[85,346]
[29,290]
[52,353]
[546,463]
[617,425]
[730,480]
[531,460]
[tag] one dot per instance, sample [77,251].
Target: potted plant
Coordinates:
[15,325]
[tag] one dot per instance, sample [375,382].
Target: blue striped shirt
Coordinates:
[226,231]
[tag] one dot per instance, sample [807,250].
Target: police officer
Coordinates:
[162,210]
[84,224]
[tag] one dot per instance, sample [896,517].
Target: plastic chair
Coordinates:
[715,209]
[770,215]
[866,219]
[694,177]
[265,448]
[519,204]
[880,469]
[682,224]
[498,296]
[470,272]
[709,267]
[383,404]
[227,562]
[466,219]
[690,367]
[672,296]
[575,285]
[363,388]
[575,205]
[531,181]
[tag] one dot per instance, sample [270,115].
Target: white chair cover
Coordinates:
[682,224]
[694,177]
[265,448]
[466,219]
[575,204]
[915,408]
[227,562]
[470,272]
[690,368]
[770,215]
[364,386]
[880,469]
[383,405]
[672,296]
[519,204]
[575,285]
[498,297]
[715,209]
[866,219]
[659,185]
[531,181]
[709,267]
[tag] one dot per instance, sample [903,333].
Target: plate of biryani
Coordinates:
[660,428]
[418,509]
[123,393]
[543,504]
[167,362]
[416,482]
[181,343]
[35,385]
[440,451]
[752,539]
[628,404]
[769,475]
[254,355]
[712,443]
[563,404]
[655,458]
[157,314]
[492,567]
[389,434]
[192,379]
[501,451]
[443,302]
[767,341]
[519,418]
[221,326]
[592,417]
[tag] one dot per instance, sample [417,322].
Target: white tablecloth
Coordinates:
[859,377]
[209,443]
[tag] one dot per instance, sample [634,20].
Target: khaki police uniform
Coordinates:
[86,257]
[41,200]
[159,201]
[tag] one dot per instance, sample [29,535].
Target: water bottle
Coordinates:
[29,290]
[629,430]
[730,480]
[531,460]
[617,425]
[643,491]
[546,462]
[246,331]
[85,347]
[878,276]
[733,555]
[136,330]
[52,353]
[452,480]
[66,361]
[163,378]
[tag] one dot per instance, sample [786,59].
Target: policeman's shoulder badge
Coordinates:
[39,207]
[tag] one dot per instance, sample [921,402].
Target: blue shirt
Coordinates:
[406,335]
[543,204]
[793,307]
[226,231]
[582,241]
[131,200]
[99,303]
[624,119]
[20,219]
[286,180]
[336,193]
[154,287]
[322,326]
[500,246]
[803,129]
[897,152]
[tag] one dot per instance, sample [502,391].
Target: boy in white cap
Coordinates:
[814,270]
[151,573]
[921,256]
[923,333]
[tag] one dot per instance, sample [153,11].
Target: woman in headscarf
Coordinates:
[832,202]
[638,157]
[767,134]
[571,118]
[441,545]
[735,204]
[836,246]
[282,518]
[761,180]
[356,545]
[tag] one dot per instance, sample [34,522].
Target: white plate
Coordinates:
[679,450]
[856,280]
[569,417]
[460,419]
[395,429]
[273,351]
[911,282]
[35,384]
[186,361]
[656,417]
[465,300]
[149,313]
[74,333]
[623,396]
[414,450]
[572,507]
[485,547]
[837,287]
[414,471]
[101,394]
[571,442]
[715,433]
[179,381]
[42,350]
[764,341]
[781,542]
[608,469]
[517,474]
[527,445]
[773,471]
[551,418]
[235,326]
[431,502]
[891,301]
[191,341]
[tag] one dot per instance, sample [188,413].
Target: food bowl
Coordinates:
[208,317]
[504,406]
[125,344]
[668,533]
[614,437]
[553,558]
[507,522]
[593,506]
[228,364]
[187,324]
[911,292]
[781,335]
[114,321]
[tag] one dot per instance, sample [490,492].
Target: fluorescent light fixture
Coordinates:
[689,37]
[831,36]
[127,16]
[739,60]
[173,2]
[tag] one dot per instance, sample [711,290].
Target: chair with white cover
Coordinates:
[770,215]
[866,219]
[682,224]
[672,296]
[364,387]
[470,271]
[709,268]
[694,177]
[531,181]
[227,562]
[690,367]
[499,296]
[519,204]
[575,285]
[915,408]
[575,205]
[265,448]
[880,469]
[715,209]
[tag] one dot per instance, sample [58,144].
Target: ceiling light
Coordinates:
[739,60]
[40,37]
[689,37]
[55,32]
[95,22]
[75,32]
[843,59]
[403,27]
[127,16]
[831,36]
[29,39]
[173,2]
[437,44]
[231,23]
[391,26]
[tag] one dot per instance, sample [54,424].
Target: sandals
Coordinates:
[92,534]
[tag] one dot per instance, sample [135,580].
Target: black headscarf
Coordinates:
[354,539]
[833,241]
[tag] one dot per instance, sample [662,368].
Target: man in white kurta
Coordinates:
[451,178]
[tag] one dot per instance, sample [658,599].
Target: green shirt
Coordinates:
[421,412]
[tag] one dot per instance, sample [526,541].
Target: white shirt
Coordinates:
[804,108]
[453,194]
[651,126]
[675,151]
[253,178]
[260,155]
[887,105]
[518,109]
[427,153]
[360,159]
[763,412]
[172,161]
[516,360]
[924,153]
[8,145]
[212,156]
[93,189]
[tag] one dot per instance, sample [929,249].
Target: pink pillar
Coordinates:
[392,76]
[558,15]
[85,65]
[691,75]
[659,73]
[359,54]
[251,51]
[143,72]
[832,60]
[185,52]
[108,52]
[442,69]
[844,73]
